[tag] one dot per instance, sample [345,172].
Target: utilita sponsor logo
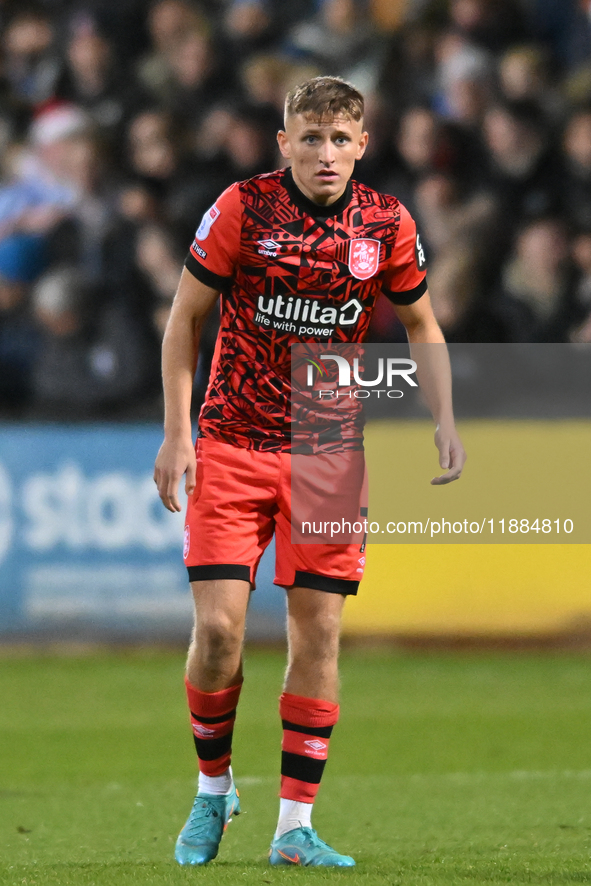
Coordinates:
[305,316]
[389,371]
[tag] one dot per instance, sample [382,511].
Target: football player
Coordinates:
[298,255]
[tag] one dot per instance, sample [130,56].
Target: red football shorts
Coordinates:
[242,498]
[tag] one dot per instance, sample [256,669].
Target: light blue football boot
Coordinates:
[199,840]
[303,846]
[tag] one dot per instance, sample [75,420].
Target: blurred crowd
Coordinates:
[121,122]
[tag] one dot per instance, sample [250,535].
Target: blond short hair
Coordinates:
[324,98]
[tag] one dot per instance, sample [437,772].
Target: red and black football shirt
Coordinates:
[292,271]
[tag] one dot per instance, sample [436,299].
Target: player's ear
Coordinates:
[362,145]
[284,145]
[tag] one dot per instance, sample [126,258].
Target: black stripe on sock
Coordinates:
[212,748]
[221,719]
[302,768]
[320,731]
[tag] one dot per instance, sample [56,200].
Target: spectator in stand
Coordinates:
[31,61]
[249,144]
[168,22]
[492,24]
[265,79]
[159,261]
[341,39]
[93,79]
[425,144]
[43,190]
[464,74]
[95,359]
[456,227]
[165,170]
[525,75]
[446,214]
[22,258]
[564,28]
[408,75]
[537,298]
[525,172]
[581,252]
[186,76]
[154,146]
[61,189]
[577,152]
[250,26]
[456,288]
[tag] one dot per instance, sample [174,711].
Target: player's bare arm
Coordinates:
[434,374]
[193,302]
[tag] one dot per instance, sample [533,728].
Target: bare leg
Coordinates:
[215,654]
[313,630]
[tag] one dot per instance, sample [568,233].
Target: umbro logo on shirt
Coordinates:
[269,247]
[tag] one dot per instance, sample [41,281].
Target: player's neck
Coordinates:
[311,207]
[318,200]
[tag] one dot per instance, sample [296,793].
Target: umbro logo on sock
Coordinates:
[198,729]
[315,745]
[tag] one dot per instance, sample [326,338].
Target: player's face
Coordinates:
[322,154]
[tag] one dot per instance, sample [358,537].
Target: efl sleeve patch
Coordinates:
[217,241]
[207,221]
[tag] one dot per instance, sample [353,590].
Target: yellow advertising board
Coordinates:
[535,578]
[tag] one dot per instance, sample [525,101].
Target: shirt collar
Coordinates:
[308,206]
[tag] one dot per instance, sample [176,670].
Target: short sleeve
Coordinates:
[214,252]
[405,278]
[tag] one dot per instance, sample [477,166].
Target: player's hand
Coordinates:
[175,458]
[452,456]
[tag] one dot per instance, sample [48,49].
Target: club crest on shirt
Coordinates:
[206,222]
[364,258]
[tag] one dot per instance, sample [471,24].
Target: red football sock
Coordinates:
[307,727]
[212,720]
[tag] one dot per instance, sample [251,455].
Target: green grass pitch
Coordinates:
[445,769]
